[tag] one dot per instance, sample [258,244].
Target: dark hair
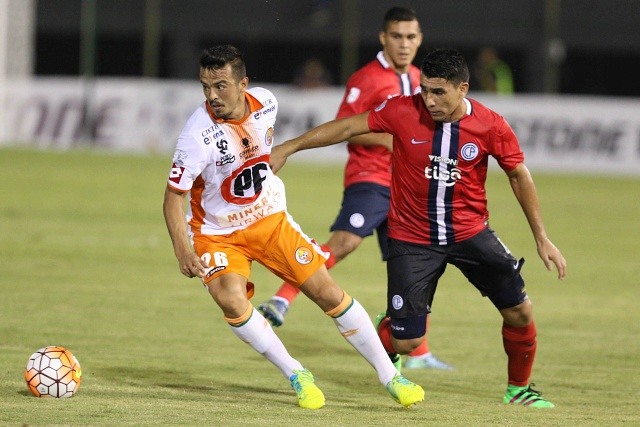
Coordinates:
[448,64]
[396,14]
[217,57]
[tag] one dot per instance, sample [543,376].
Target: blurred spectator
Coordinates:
[492,73]
[313,74]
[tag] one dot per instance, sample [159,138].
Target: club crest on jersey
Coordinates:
[304,256]
[356,220]
[397,302]
[469,151]
[268,138]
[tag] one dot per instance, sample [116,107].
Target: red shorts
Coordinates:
[275,242]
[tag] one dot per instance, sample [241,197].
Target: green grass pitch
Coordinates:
[86,263]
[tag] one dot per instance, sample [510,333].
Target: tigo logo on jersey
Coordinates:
[304,256]
[176,173]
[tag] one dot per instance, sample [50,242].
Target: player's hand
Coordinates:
[551,256]
[191,265]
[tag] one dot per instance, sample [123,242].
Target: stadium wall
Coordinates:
[573,134]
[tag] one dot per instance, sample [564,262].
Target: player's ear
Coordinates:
[244,83]
[382,38]
[463,89]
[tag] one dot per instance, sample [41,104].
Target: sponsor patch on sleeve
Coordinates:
[175,175]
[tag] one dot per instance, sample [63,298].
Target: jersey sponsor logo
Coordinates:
[222,146]
[244,185]
[304,256]
[448,177]
[208,130]
[213,270]
[415,141]
[269,110]
[226,159]
[249,151]
[442,159]
[268,138]
[469,151]
[354,94]
[175,175]
[397,302]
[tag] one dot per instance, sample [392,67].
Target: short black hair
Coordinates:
[448,64]
[217,57]
[396,14]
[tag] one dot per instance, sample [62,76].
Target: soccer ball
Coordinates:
[53,371]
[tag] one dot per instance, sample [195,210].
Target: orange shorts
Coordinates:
[275,242]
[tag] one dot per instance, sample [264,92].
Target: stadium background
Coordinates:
[565,46]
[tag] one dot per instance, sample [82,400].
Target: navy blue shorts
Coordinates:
[365,207]
[413,272]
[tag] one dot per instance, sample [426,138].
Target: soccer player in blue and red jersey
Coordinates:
[367,176]
[441,145]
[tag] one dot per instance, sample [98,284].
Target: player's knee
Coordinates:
[407,346]
[343,243]
[323,290]
[519,315]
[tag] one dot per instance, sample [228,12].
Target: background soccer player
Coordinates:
[441,145]
[365,202]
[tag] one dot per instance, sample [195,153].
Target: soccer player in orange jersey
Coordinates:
[237,214]
[365,202]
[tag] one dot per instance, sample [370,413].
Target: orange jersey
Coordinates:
[224,164]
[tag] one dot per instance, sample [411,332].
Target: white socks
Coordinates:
[355,326]
[257,332]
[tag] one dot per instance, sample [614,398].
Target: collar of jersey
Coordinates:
[254,105]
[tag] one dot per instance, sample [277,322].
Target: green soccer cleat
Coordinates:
[404,391]
[309,395]
[274,311]
[525,396]
[395,357]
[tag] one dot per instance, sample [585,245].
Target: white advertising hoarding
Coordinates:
[557,133]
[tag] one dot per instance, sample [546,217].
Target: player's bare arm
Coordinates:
[372,138]
[173,207]
[526,194]
[326,134]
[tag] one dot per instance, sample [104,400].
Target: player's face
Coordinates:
[400,43]
[443,99]
[224,93]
